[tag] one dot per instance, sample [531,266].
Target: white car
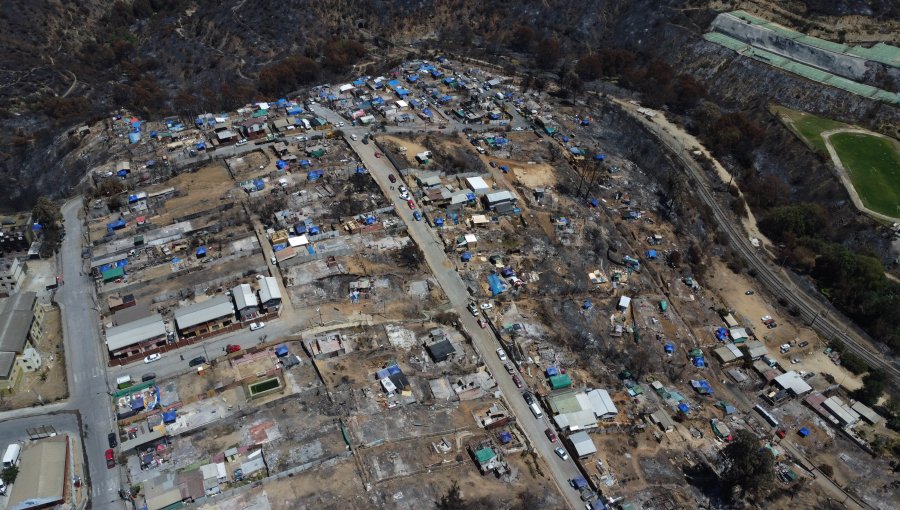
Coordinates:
[795,361]
[340,124]
[766,318]
[151,358]
[353,137]
[242,141]
[562,453]
[502,354]
[274,261]
[257,325]
[487,306]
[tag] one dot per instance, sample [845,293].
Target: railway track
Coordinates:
[810,309]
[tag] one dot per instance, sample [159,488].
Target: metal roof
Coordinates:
[583,444]
[268,289]
[244,297]
[135,332]
[7,360]
[602,404]
[15,321]
[793,382]
[198,313]
[41,480]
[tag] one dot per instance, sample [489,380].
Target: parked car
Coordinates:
[493,165]
[242,141]
[274,261]
[411,204]
[149,376]
[529,398]
[353,137]
[562,453]
[377,154]
[749,293]
[113,439]
[482,323]
[509,367]
[517,381]
[766,318]
[794,361]
[473,309]
[392,178]
[110,458]
[785,347]
[550,435]
[199,360]
[151,358]
[487,306]
[417,216]
[501,354]
[257,325]
[230,348]
[803,344]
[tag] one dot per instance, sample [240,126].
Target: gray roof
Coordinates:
[7,359]
[198,313]
[499,196]
[244,297]
[583,444]
[42,474]
[268,289]
[15,321]
[135,332]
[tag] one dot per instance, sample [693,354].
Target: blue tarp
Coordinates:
[565,139]
[169,416]
[294,110]
[803,432]
[470,196]
[278,247]
[600,157]
[496,284]
[721,334]
[122,173]
[412,78]
[505,437]
[201,146]
[137,404]
[201,251]
[699,362]
[595,202]
[313,230]
[370,220]
[310,249]
[393,369]
[551,371]
[669,348]
[701,386]
[35,227]
[116,225]
[260,184]
[651,254]
[507,272]
[439,222]
[304,162]
[579,483]
[585,122]
[281,164]
[500,141]
[300,228]
[315,175]
[381,374]
[575,150]
[684,408]
[132,199]
[466,256]
[587,304]
[281,351]
[153,134]
[134,137]
[494,116]
[360,170]
[504,168]
[426,112]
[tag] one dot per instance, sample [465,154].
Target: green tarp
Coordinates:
[113,273]
[560,381]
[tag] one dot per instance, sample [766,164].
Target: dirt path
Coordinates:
[845,176]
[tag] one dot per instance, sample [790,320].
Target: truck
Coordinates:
[535,409]
[11,457]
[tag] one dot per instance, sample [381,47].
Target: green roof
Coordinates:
[259,113]
[485,454]
[112,274]
[560,381]
[637,389]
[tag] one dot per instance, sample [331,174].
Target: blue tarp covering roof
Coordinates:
[313,230]
[504,168]
[684,408]
[470,196]
[305,162]
[466,256]
[575,150]
[393,369]
[507,272]
[294,110]
[315,174]
[412,78]
[585,122]
[278,247]
[600,157]
[494,116]
[169,416]
[370,220]
[310,249]
[595,202]
[132,199]
[505,437]
[651,254]
[134,137]
[500,141]
[153,134]
[587,304]
[116,225]
[566,139]
[701,386]
[281,164]
[137,404]
[281,351]
[201,251]
[381,374]
[122,173]
[699,362]
[669,348]
[378,101]
[427,112]
[803,432]
[360,170]
[496,284]
[551,371]
[260,184]
[300,228]
[35,227]
[439,222]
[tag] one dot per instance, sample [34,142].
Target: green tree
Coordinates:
[873,386]
[749,468]
[9,474]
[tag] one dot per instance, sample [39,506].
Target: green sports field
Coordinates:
[808,126]
[873,164]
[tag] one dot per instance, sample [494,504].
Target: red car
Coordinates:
[517,381]
[550,435]
[110,458]
[377,154]
[230,348]
[411,204]
[392,178]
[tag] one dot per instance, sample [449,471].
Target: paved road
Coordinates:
[485,343]
[820,316]
[85,360]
